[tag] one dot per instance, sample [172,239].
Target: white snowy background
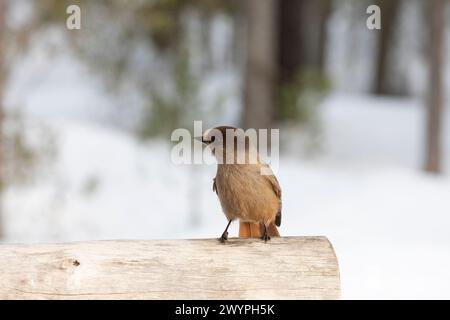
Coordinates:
[388,221]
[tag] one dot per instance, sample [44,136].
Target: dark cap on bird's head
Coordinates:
[223,139]
[216,134]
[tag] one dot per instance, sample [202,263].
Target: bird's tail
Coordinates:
[256,230]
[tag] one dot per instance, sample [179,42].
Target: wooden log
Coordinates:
[282,268]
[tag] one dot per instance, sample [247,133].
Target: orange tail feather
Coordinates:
[255,230]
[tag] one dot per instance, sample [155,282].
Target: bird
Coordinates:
[244,193]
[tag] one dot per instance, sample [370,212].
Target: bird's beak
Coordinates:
[200,139]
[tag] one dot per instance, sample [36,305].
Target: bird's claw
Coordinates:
[265,237]
[224,237]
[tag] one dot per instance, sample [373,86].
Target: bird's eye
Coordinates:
[213,138]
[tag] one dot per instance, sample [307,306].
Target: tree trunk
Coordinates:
[3,9]
[389,14]
[302,40]
[292,54]
[325,11]
[302,29]
[435,93]
[261,68]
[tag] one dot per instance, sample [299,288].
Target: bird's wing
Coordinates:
[274,184]
[272,180]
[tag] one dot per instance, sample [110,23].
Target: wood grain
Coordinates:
[283,268]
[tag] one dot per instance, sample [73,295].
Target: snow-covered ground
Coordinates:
[387,220]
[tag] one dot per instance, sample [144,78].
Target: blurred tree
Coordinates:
[323,9]
[301,58]
[19,157]
[291,55]
[433,162]
[282,54]
[144,45]
[389,16]
[174,110]
[284,74]
[302,30]
[261,67]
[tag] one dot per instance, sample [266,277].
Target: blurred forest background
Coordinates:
[86,117]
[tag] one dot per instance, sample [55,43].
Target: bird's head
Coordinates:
[218,135]
[222,139]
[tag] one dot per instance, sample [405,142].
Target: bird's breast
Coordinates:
[245,194]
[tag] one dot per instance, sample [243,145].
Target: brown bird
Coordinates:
[244,193]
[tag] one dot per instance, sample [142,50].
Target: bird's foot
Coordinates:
[265,237]
[224,237]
